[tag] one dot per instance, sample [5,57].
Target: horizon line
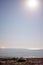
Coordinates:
[21,48]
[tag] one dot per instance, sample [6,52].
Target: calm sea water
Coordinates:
[21,53]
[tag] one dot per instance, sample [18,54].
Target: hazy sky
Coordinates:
[21,26]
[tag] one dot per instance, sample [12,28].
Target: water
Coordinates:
[21,53]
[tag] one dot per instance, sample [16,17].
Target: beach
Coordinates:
[21,61]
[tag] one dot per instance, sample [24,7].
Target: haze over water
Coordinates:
[21,53]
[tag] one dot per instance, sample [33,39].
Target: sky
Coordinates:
[20,25]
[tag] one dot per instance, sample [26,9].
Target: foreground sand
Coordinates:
[17,61]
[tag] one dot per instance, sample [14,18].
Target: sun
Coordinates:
[32,3]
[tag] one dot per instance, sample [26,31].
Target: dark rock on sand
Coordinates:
[21,60]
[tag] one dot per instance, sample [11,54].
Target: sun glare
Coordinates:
[32,3]
[3,47]
[34,48]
